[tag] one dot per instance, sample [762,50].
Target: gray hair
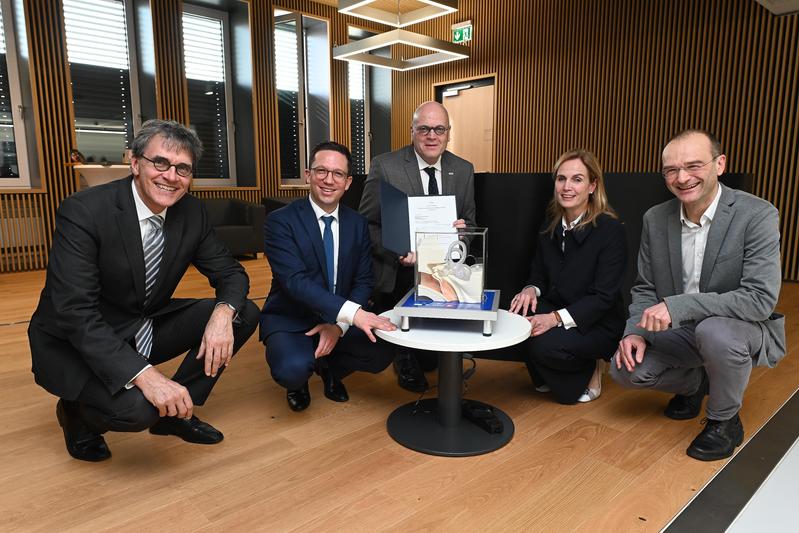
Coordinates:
[175,135]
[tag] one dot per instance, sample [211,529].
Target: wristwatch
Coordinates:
[557,317]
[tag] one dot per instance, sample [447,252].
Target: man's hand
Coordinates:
[656,318]
[408,260]
[631,352]
[329,335]
[366,322]
[217,343]
[524,301]
[542,323]
[170,398]
[460,223]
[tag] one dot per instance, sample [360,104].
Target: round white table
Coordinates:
[436,426]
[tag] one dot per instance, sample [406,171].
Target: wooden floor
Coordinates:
[615,464]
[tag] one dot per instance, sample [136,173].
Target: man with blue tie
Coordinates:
[321,261]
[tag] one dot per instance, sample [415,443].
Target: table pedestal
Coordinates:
[437,427]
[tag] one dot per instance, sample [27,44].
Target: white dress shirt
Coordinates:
[694,240]
[426,177]
[347,312]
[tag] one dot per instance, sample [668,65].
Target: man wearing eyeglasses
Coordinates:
[702,312]
[319,252]
[106,314]
[424,167]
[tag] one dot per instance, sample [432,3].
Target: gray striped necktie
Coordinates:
[153,250]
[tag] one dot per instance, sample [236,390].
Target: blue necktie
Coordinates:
[327,238]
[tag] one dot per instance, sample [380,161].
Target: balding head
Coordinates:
[426,119]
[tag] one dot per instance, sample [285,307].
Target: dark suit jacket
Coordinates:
[741,275]
[587,278]
[299,298]
[401,170]
[93,299]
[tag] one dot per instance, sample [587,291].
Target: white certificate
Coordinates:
[431,214]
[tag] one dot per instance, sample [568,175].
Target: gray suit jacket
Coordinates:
[400,169]
[740,276]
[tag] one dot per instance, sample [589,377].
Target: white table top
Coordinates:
[443,335]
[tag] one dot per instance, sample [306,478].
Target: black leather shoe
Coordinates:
[299,399]
[191,430]
[82,443]
[684,407]
[717,440]
[334,388]
[409,374]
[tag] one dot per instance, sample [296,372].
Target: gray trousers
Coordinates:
[727,348]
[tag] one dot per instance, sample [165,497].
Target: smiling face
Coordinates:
[326,188]
[573,187]
[160,189]
[430,146]
[695,188]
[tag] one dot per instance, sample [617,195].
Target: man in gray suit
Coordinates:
[702,311]
[424,167]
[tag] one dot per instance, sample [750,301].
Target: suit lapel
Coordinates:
[447,176]
[674,236]
[130,235]
[412,172]
[311,226]
[715,238]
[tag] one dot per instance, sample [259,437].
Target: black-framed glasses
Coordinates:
[425,130]
[321,173]
[162,165]
[693,169]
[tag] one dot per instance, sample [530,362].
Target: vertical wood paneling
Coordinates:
[171,90]
[619,77]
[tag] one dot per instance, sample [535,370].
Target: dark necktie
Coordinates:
[327,239]
[432,184]
[153,250]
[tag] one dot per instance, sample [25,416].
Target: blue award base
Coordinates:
[486,310]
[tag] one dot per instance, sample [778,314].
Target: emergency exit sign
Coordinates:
[462,32]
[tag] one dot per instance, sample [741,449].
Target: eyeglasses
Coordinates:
[321,173]
[162,165]
[424,130]
[693,169]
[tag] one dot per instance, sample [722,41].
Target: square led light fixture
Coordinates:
[442,51]
[378,10]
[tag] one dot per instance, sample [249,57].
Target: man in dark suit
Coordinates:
[106,314]
[702,311]
[319,252]
[421,168]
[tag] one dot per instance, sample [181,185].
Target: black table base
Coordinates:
[436,426]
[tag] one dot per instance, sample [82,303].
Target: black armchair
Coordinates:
[238,224]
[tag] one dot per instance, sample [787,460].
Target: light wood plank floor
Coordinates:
[612,465]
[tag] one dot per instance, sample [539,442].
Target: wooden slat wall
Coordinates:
[171,91]
[620,76]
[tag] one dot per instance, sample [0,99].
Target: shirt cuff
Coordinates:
[347,312]
[235,313]
[566,318]
[344,327]
[129,384]
[537,290]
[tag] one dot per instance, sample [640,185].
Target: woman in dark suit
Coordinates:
[573,295]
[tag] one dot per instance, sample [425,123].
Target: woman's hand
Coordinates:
[524,301]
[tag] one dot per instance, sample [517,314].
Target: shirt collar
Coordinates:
[319,212]
[707,216]
[142,211]
[567,227]
[423,164]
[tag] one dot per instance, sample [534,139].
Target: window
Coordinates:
[102,68]
[359,116]
[302,73]
[206,52]
[14,169]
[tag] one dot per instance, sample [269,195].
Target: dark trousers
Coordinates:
[565,359]
[173,335]
[290,356]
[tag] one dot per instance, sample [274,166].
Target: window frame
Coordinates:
[23,181]
[304,150]
[367,101]
[230,124]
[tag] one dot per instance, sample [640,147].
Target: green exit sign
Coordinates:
[462,32]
